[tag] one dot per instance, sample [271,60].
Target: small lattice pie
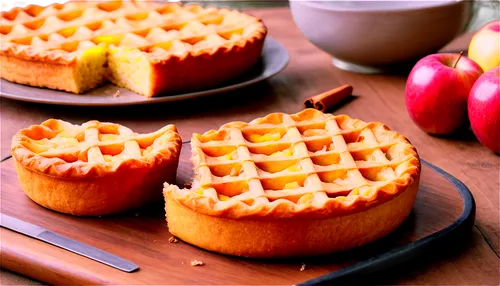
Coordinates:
[147,47]
[294,185]
[96,168]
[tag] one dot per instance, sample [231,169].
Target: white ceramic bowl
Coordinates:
[370,36]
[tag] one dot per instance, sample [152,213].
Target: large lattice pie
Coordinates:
[94,168]
[145,46]
[294,185]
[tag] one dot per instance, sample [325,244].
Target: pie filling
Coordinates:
[130,69]
[91,68]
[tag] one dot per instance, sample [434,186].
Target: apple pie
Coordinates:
[294,185]
[147,47]
[94,168]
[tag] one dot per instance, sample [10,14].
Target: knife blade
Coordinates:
[63,242]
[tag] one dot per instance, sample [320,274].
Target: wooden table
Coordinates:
[377,98]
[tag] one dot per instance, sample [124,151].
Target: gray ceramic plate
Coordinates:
[274,59]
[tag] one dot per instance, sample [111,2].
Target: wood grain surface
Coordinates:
[376,98]
[142,237]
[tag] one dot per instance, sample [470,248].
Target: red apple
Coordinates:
[437,91]
[484,109]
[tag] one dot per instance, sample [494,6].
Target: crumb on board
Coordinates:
[187,185]
[303,267]
[172,239]
[196,263]
[116,94]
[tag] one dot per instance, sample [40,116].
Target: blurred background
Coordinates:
[482,11]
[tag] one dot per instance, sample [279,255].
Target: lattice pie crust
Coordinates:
[96,168]
[294,185]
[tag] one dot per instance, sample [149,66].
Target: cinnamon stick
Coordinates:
[328,99]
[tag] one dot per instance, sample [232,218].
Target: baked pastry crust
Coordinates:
[281,238]
[96,168]
[343,181]
[147,47]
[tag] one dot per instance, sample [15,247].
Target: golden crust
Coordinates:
[98,196]
[16,51]
[282,208]
[274,238]
[273,204]
[58,56]
[61,169]
[52,165]
[52,75]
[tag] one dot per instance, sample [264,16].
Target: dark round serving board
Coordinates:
[443,208]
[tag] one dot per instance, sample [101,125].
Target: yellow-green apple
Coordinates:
[437,91]
[484,109]
[484,47]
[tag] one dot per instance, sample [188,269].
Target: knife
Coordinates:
[53,238]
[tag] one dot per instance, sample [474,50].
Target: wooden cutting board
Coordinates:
[142,237]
